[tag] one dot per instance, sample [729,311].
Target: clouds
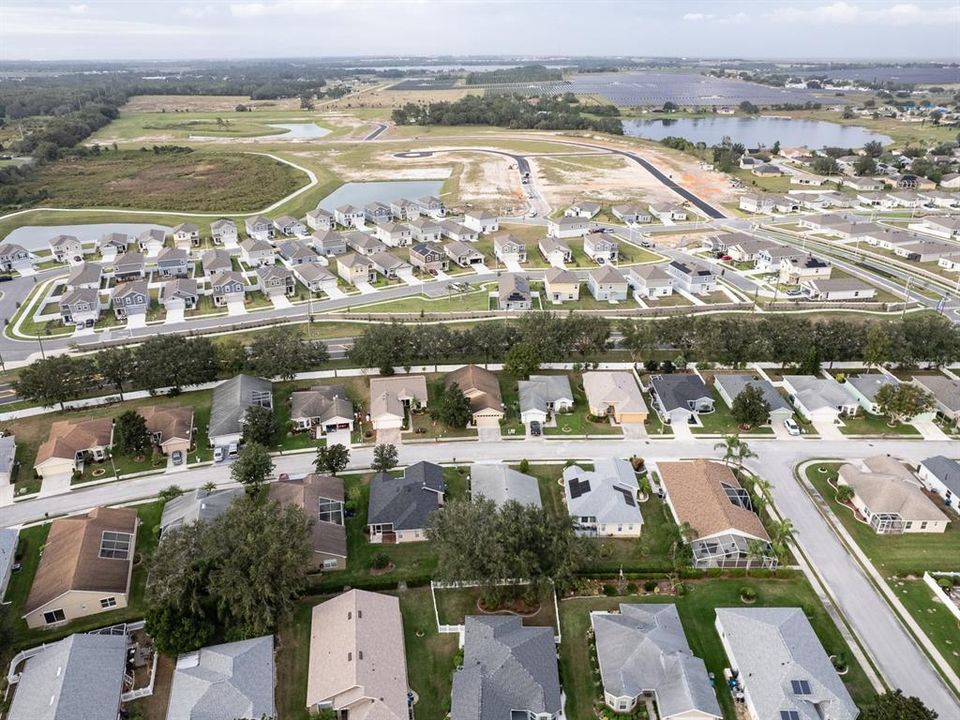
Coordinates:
[870,13]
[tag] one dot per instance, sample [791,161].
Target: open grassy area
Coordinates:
[455,604]
[940,626]
[697,615]
[907,554]
[866,424]
[194,181]
[721,422]
[578,422]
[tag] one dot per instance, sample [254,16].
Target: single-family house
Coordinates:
[70,443]
[85,568]
[231,400]
[649,282]
[561,285]
[215,262]
[377,212]
[941,475]
[950,180]
[67,249]
[289,226]
[392,397]
[315,277]
[320,497]
[482,221]
[819,399]
[363,244]
[808,267]
[509,670]
[946,391]
[501,484]
[758,204]
[568,227]
[603,501]
[322,409]
[355,268]
[784,673]
[514,292]
[942,226]
[173,262]
[601,248]
[232,680]
[729,387]
[393,234]
[692,277]
[680,397]
[80,676]
[457,232]
[224,232]
[129,266]
[390,266]
[275,280]
[85,275]
[259,227]
[255,253]
[429,257]
[400,507]
[706,496]
[349,216]
[925,250]
[425,230]
[80,307]
[295,252]
[509,248]
[404,209]
[358,666]
[8,464]
[542,396]
[227,287]
[642,651]
[607,283]
[615,393]
[863,184]
[431,205]
[745,248]
[170,427]
[114,243]
[583,209]
[151,241]
[198,505]
[865,387]
[891,502]
[186,236]
[837,289]
[668,212]
[554,251]
[771,170]
[129,299]
[462,254]
[631,213]
[769,259]
[328,243]
[482,389]
[320,219]
[904,199]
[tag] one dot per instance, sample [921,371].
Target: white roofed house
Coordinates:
[583,209]
[226,287]
[509,248]
[692,277]
[554,251]
[259,227]
[355,268]
[224,232]
[186,236]
[275,280]
[649,282]
[393,234]
[607,283]
[501,483]
[482,221]
[941,226]
[349,216]
[129,299]
[290,226]
[631,213]
[425,229]
[542,396]
[315,277]
[819,399]
[67,249]
[151,241]
[457,232]
[760,204]
[603,501]
[320,219]
[560,285]
[255,252]
[601,248]
[295,252]
[568,227]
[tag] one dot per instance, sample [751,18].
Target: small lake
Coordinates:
[297,131]
[35,237]
[753,132]
[361,193]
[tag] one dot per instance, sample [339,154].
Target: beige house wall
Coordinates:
[75,604]
[54,466]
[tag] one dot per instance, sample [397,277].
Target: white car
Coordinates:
[218,454]
[791,425]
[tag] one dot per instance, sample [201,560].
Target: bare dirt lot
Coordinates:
[203,103]
[380,98]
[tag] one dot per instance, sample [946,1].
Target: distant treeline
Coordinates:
[514,112]
[520,74]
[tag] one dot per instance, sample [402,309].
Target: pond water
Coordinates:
[297,131]
[753,132]
[35,237]
[361,193]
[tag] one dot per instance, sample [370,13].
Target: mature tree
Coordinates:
[876,348]
[844,494]
[865,165]
[252,467]
[452,407]
[331,458]
[781,535]
[825,166]
[639,337]
[259,425]
[750,407]
[173,361]
[521,360]
[130,434]
[897,706]
[54,380]
[873,148]
[231,357]
[670,107]
[903,401]
[384,457]
[462,535]
[282,352]
[115,365]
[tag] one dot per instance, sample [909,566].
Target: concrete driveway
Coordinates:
[236,307]
[389,436]
[137,320]
[335,293]
[280,301]
[634,431]
[827,430]
[366,288]
[411,280]
[174,315]
[489,433]
[512,266]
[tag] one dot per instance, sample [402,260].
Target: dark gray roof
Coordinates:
[644,648]
[78,677]
[506,668]
[234,680]
[676,391]
[406,501]
[8,450]
[946,390]
[84,274]
[733,385]
[196,506]
[868,385]
[945,470]
[231,399]
[9,537]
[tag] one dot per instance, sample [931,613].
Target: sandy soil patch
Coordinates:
[382,98]
[611,180]
[204,103]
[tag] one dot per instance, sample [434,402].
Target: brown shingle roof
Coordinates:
[71,557]
[478,384]
[697,495]
[68,437]
[305,493]
[170,422]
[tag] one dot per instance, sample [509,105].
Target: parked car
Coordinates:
[791,425]
[218,454]
[535,429]
[177,457]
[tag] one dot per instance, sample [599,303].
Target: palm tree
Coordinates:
[781,535]
[730,446]
[755,550]
[743,452]
[761,491]
[209,486]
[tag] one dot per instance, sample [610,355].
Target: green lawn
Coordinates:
[293,661]
[907,554]
[866,424]
[455,604]
[578,422]
[697,614]
[940,626]
[721,422]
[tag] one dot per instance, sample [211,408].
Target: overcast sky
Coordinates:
[172,29]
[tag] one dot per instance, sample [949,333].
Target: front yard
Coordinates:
[721,422]
[866,424]
[940,626]
[578,422]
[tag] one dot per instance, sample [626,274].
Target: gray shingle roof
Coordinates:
[733,385]
[644,648]
[9,537]
[231,399]
[78,677]
[406,502]
[506,667]
[540,390]
[602,493]
[817,392]
[676,391]
[196,506]
[221,682]
[8,450]
[868,385]
[501,483]
[945,470]
[946,390]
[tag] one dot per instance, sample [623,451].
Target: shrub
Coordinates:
[631,588]
[748,593]
[380,560]
[680,589]
[650,585]
[610,591]
[524,465]
[945,582]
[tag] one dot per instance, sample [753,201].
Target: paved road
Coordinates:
[893,649]
[380,128]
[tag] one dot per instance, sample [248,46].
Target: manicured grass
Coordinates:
[455,604]
[578,422]
[430,655]
[697,615]
[195,181]
[940,626]
[475,299]
[907,554]
[866,424]
[721,422]
[28,552]
[293,661]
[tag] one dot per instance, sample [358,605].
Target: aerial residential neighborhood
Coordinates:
[480,361]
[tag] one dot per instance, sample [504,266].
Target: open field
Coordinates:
[176,182]
[203,103]
[902,133]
